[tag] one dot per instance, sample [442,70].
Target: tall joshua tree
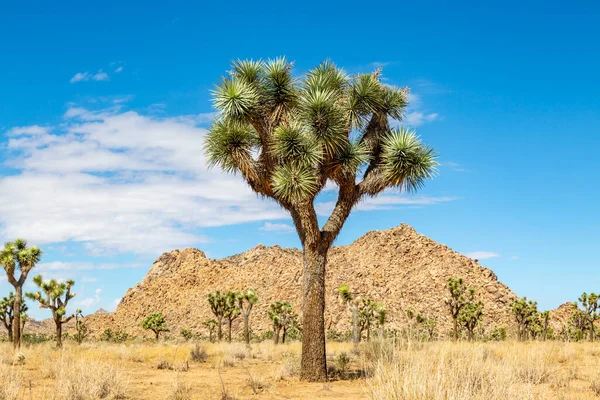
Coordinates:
[545,316]
[524,312]
[366,314]
[231,311]
[459,297]
[589,302]
[246,300]
[470,316]
[7,314]
[52,299]
[218,306]
[289,136]
[17,255]
[347,297]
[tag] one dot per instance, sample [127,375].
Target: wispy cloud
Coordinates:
[32,130]
[282,228]
[91,301]
[385,202]
[482,255]
[87,76]
[417,118]
[454,166]
[118,69]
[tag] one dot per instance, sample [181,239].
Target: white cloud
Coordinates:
[118,69]
[86,76]
[89,279]
[384,202]
[454,166]
[115,303]
[482,255]
[514,258]
[120,181]
[417,118]
[91,301]
[82,266]
[282,228]
[28,130]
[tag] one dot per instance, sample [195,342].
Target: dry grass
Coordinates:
[380,370]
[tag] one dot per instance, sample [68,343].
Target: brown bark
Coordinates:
[219,328]
[58,333]
[17,327]
[355,332]
[455,328]
[246,329]
[276,335]
[313,364]
[229,330]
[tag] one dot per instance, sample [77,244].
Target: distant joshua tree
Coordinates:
[348,298]
[366,315]
[524,312]
[210,324]
[284,318]
[459,297]
[156,323]
[246,300]
[7,315]
[232,311]
[545,316]
[218,306]
[55,297]
[289,136]
[470,316]
[17,255]
[381,318]
[589,302]
[80,326]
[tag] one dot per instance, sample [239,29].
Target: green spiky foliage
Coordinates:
[218,306]
[347,297]
[380,318]
[470,316]
[156,323]
[232,311]
[545,320]
[289,136]
[426,325]
[589,302]
[459,297]
[210,324]
[525,313]
[7,314]
[284,318]
[246,301]
[366,315]
[54,296]
[80,326]
[18,256]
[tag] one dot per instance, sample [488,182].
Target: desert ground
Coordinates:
[377,370]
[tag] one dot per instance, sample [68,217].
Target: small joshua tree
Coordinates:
[470,316]
[589,302]
[210,324]
[55,297]
[80,326]
[156,323]
[246,300]
[232,311]
[218,306]
[545,317]
[459,297]
[348,298]
[381,318]
[283,317]
[524,312]
[7,314]
[17,255]
[366,315]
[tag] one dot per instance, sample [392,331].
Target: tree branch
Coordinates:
[348,196]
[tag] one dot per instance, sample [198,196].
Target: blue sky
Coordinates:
[103,108]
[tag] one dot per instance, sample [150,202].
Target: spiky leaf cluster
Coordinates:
[54,296]
[287,136]
[459,296]
[470,316]
[282,315]
[525,313]
[156,323]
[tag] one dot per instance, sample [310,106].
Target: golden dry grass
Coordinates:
[380,371]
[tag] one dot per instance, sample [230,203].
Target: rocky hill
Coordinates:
[399,267]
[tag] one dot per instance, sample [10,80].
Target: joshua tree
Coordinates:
[218,306]
[545,316]
[347,297]
[524,312]
[381,317]
[82,330]
[17,255]
[289,136]
[283,317]
[52,299]
[7,314]
[470,316]
[459,297]
[590,307]
[246,300]
[366,314]
[232,311]
[156,323]
[210,324]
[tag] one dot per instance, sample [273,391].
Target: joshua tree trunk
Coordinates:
[58,333]
[313,365]
[592,330]
[381,332]
[229,330]
[455,328]
[368,333]
[276,335]
[246,329]
[470,335]
[16,336]
[219,328]
[283,335]
[355,334]
[156,334]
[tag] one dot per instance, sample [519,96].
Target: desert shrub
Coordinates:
[186,334]
[180,391]
[114,337]
[290,366]
[10,383]
[342,362]
[266,335]
[35,338]
[198,353]
[498,334]
[81,380]
[164,364]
